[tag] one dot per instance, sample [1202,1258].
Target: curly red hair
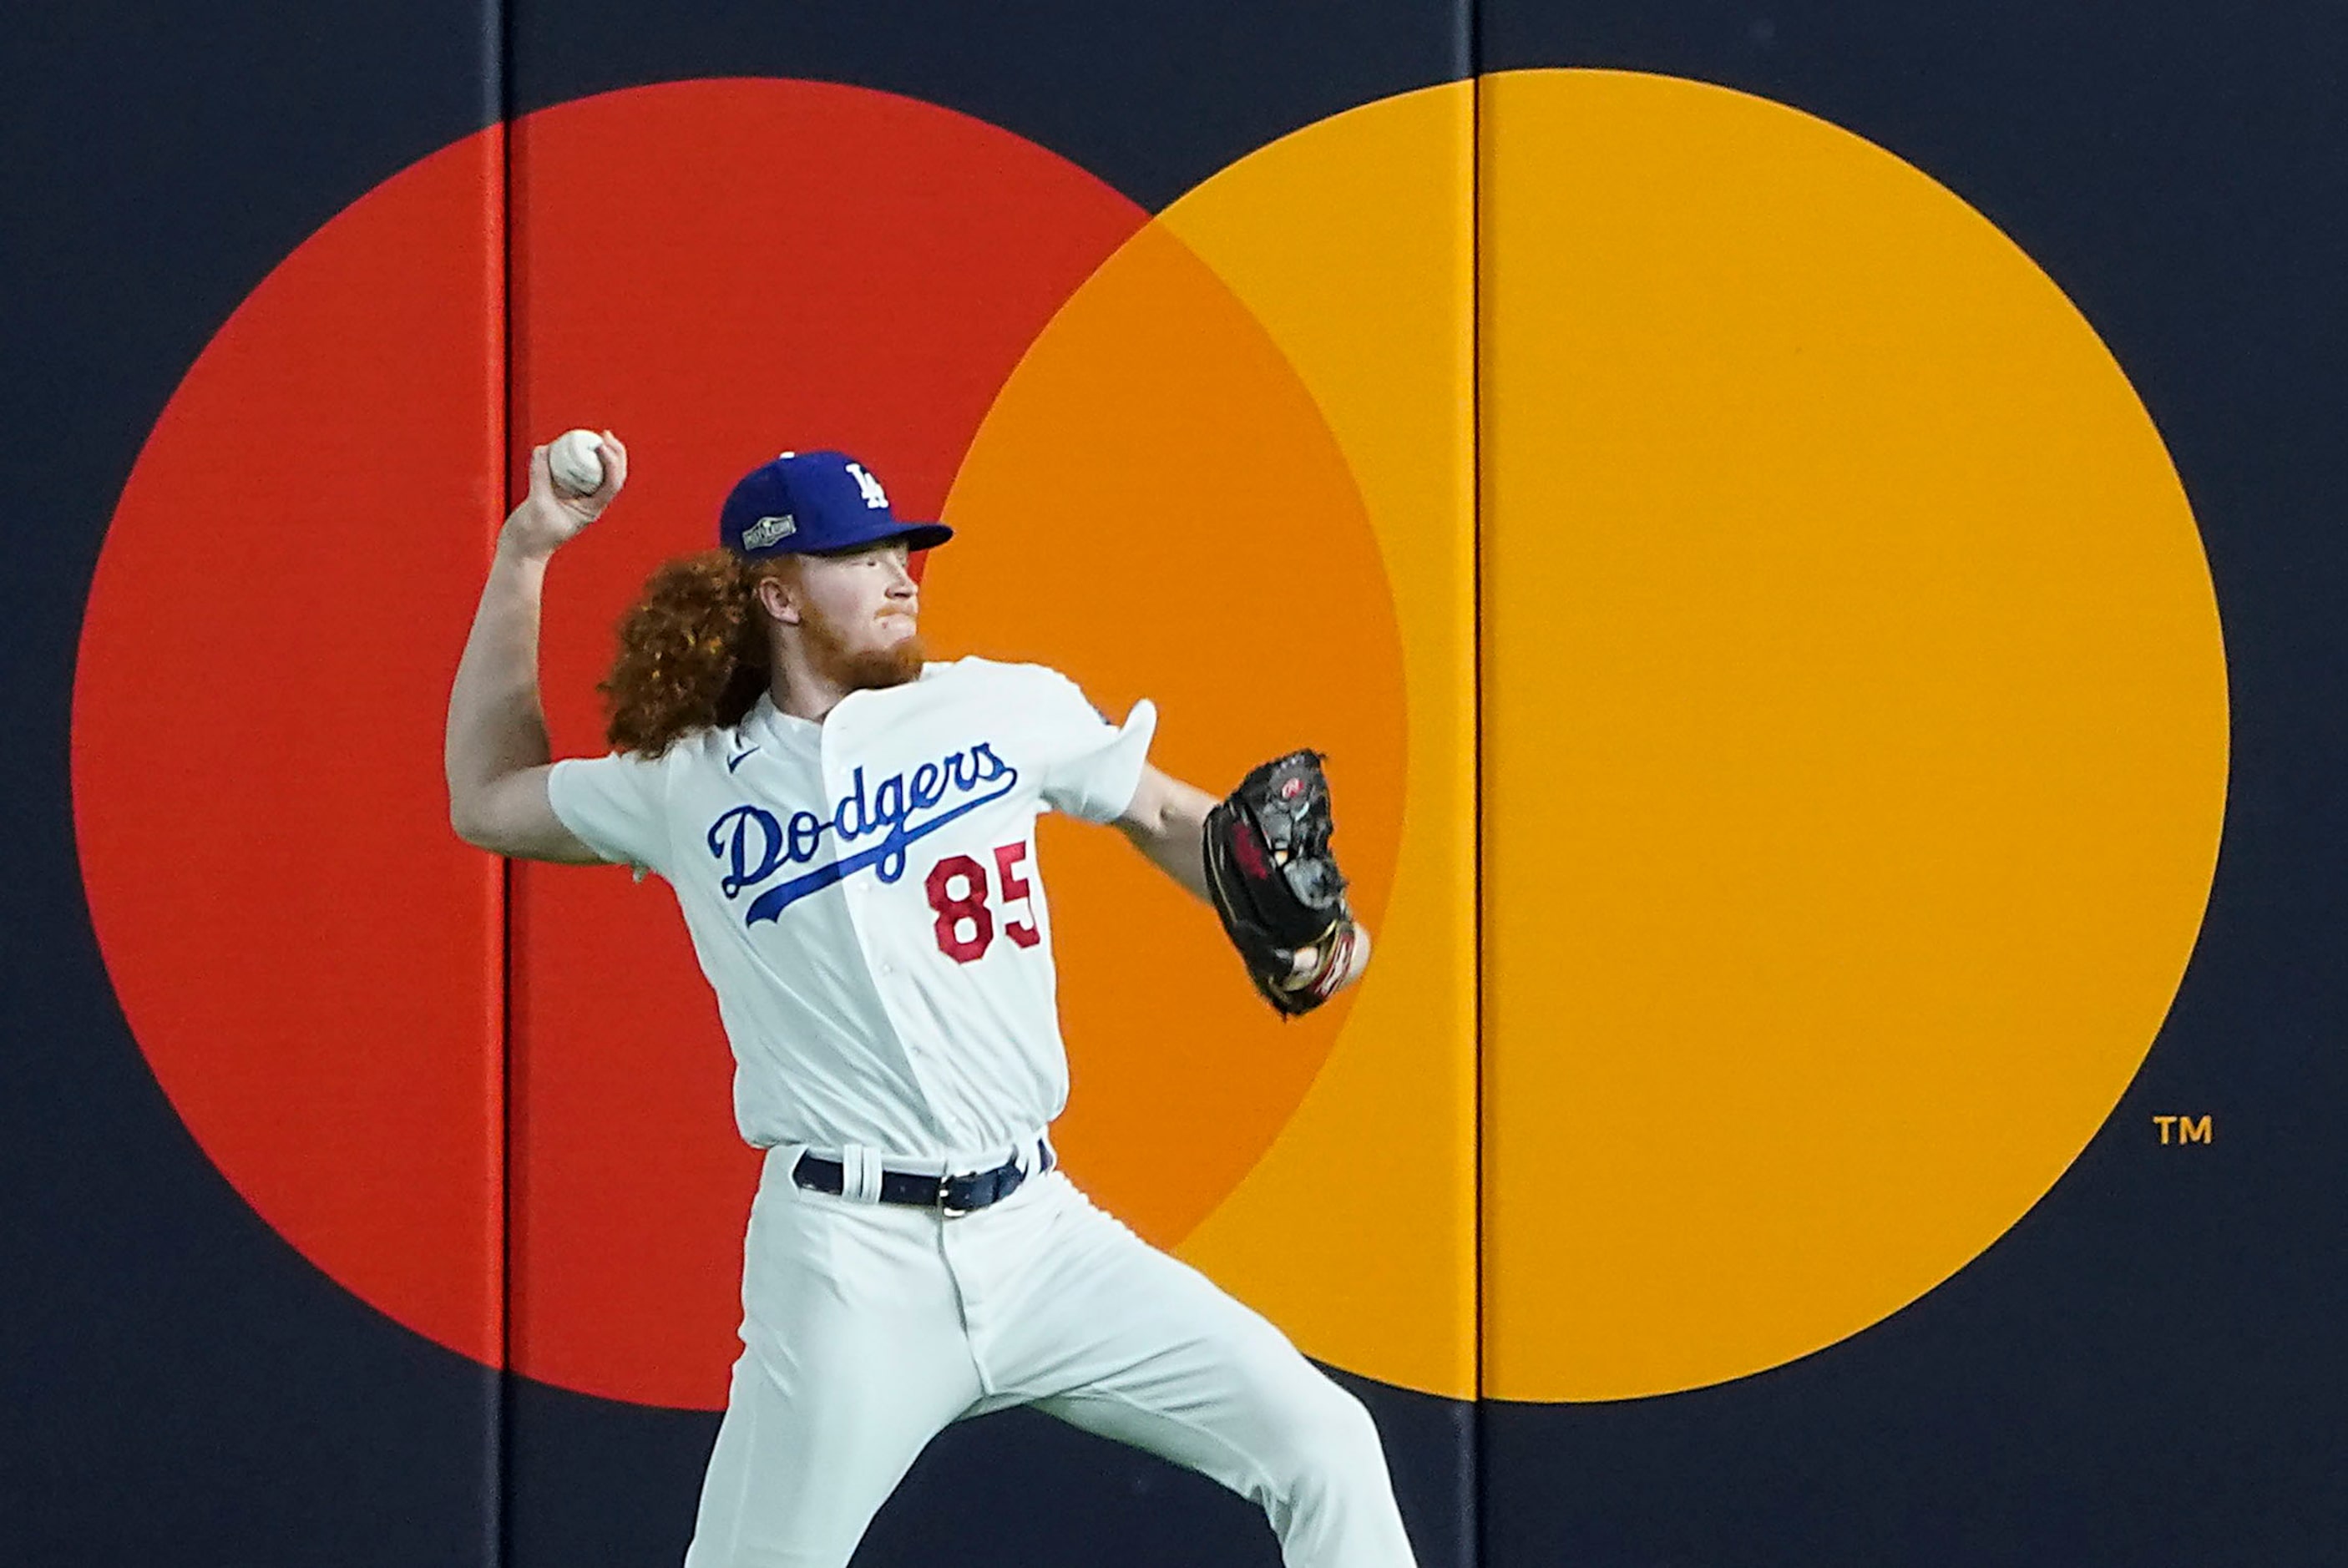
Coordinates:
[693,652]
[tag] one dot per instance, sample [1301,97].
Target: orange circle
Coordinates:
[1855,736]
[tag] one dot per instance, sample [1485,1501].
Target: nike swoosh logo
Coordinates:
[770,904]
[734,762]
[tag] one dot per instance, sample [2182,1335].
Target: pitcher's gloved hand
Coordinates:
[1277,886]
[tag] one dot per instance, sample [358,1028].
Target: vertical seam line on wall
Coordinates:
[500,1522]
[1478,1495]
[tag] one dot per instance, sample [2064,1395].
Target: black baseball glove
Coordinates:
[1277,887]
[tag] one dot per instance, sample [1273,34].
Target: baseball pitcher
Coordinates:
[849,832]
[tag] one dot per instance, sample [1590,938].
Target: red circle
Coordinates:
[315,968]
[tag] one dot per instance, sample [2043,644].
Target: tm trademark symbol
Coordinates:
[2189,1129]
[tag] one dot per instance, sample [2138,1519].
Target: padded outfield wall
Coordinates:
[1803,533]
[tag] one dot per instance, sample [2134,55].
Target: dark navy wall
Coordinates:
[2145,1371]
[175,1384]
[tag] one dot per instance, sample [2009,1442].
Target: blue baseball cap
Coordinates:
[806,503]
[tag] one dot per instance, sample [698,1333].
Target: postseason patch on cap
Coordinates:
[767,529]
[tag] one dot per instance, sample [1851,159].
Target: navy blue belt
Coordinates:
[953,1194]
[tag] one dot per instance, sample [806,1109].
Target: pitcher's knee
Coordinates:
[1327,1447]
[1312,1461]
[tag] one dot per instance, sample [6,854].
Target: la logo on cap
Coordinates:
[874,496]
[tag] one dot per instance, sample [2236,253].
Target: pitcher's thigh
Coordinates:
[854,1358]
[802,1462]
[1272,1428]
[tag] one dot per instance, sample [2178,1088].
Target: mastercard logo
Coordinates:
[1771,682]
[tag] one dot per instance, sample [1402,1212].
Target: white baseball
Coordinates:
[1353,960]
[576,462]
[1349,955]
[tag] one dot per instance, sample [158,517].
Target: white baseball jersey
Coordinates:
[863,896]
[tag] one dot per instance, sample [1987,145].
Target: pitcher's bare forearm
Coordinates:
[497,755]
[496,723]
[1167,822]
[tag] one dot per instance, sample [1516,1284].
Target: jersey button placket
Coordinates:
[862,894]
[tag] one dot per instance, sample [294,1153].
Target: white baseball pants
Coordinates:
[869,1328]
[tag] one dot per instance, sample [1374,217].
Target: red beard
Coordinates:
[863,669]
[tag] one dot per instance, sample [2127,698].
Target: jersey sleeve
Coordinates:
[616,805]
[1095,766]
